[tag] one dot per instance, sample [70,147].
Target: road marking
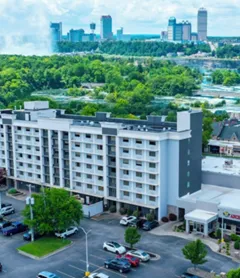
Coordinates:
[97,257]
[77,268]
[89,263]
[65,274]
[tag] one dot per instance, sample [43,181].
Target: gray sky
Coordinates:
[136,16]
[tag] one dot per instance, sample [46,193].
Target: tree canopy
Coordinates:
[234,273]
[132,236]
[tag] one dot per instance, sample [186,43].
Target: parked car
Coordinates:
[28,235]
[141,255]
[46,274]
[134,261]
[16,227]
[70,231]
[114,247]
[98,275]
[0,267]
[7,210]
[4,224]
[138,223]
[188,275]
[147,226]
[118,264]
[126,220]
[3,205]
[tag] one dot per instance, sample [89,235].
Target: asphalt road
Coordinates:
[71,263]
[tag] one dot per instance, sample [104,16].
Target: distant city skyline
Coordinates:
[136,16]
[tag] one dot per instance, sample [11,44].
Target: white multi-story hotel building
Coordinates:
[145,164]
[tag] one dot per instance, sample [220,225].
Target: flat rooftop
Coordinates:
[221,165]
[224,197]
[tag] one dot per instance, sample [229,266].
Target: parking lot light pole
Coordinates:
[30,202]
[87,273]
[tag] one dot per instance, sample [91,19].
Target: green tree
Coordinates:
[196,252]
[234,273]
[53,210]
[132,236]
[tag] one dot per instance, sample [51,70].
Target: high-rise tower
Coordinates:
[106,27]
[202,24]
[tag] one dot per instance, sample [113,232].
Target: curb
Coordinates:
[46,256]
[15,197]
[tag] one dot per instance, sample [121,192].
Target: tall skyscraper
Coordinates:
[56,31]
[75,35]
[106,27]
[171,28]
[187,30]
[202,24]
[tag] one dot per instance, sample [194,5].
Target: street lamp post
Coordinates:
[30,202]
[87,264]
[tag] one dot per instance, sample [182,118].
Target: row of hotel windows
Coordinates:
[139,152]
[140,174]
[139,142]
[88,146]
[140,163]
[89,166]
[139,196]
[140,185]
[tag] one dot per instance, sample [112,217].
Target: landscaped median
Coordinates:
[44,247]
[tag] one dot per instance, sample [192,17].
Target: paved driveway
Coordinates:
[71,262]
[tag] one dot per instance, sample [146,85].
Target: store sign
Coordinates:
[228,215]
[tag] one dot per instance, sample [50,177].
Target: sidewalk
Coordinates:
[167,230]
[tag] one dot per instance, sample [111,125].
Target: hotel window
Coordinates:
[29,156]
[139,196]
[30,174]
[125,193]
[89,166]
[89,156]
[188,174]
[88,146]
[152,154]
[77,145]
[88,136]
[99,157]
[78,184]
[19,128]
[89,176]
[100,168]
[138,185]
[100,188]
[188,163]
[100,178]
[29,165]
[152,143]
[152,165]
[78,174]
[125,151]
[138,141]
[125,172]
[188,184]
[27,129]
[77,135]
[125,161]
[77,154]
[152,199]
[126,183]
[139,163]
[152,187]
[139,174]
[28,138]
[99,137]
[125,140]
[78,164]
[99,147]
[89,186]
[18,137]
[138,152]
[152,177]
[189,152]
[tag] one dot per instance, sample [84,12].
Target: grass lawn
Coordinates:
[44,246]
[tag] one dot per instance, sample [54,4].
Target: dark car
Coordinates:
[28,235]
[138,223]
[147,226]
[188,275]
[132,260]
[4,224]
[0,267]
[118,264]
[16,227]
[4,205]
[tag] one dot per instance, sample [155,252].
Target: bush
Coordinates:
[136,213]
[150,217]
[235,237]
[164,219]
[123,211]
[129,212]
[12,191]
[172,217]
[237,245]
[227,238]
[112,209]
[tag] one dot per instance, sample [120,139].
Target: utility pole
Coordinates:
[30,202]
[87,273]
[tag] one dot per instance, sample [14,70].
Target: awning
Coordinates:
[201,216]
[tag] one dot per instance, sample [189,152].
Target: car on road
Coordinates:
[118,264]
[46,274]
[114,247]
[188,275]
[147,226]
[4,224]
[28,235]
[134,261]
[126,220]
[70,231]
[98,275]
[141,255]
[7,210]
[4,205]
[16,227]
[138,223]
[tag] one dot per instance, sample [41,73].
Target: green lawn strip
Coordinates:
[44,246]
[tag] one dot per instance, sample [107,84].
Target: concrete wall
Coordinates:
[219,179]
[163,194]
[94,209]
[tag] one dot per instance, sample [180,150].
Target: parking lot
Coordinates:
[72,261]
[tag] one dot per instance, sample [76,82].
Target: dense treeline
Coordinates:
[129,88]
[134,48]
[226,77]
[228,51]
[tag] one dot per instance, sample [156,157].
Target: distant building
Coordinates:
[202,24]
[164,35]
[119,32]
[106,27]
[186,30]
[179,32]
[93,27]
[171,28]
[89,37]
[194,37]
[75,35]
[56,34]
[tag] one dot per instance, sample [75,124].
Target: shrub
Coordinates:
[112,209]
[136,213]
[123,211]
[218,233]
[172,217]
[129,212]
[12,191]
[235,237]
[237,244]
[227,238]
[150,217]
[164,219]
